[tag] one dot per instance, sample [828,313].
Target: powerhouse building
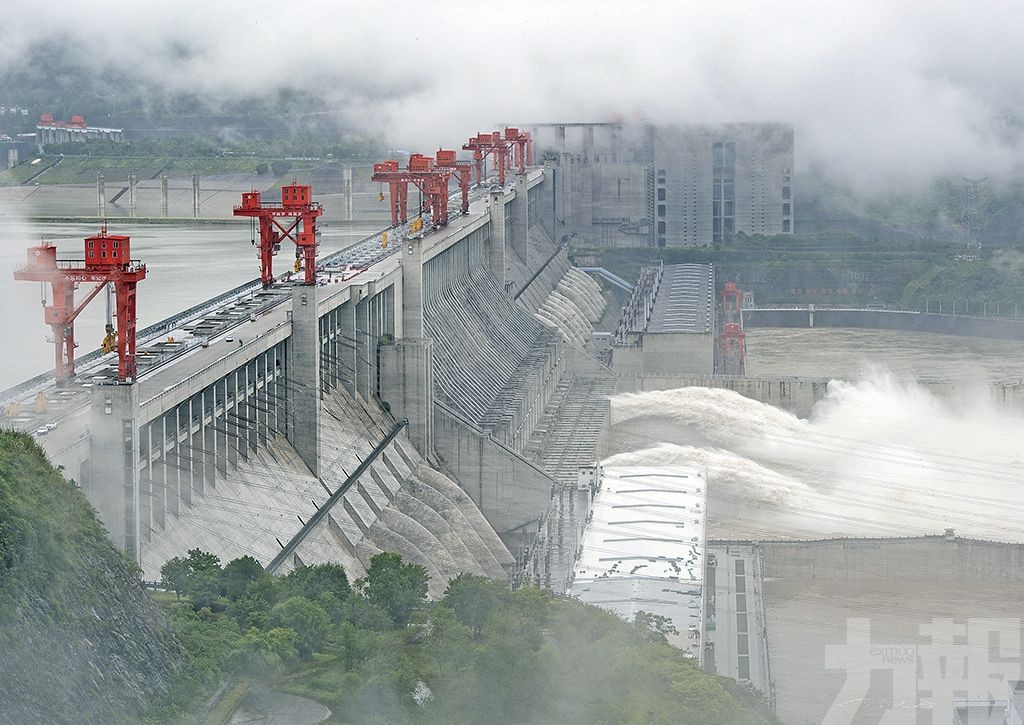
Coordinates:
[669,186]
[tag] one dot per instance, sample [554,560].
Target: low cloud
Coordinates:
[880,93]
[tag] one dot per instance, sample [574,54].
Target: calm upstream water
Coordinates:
[186,264]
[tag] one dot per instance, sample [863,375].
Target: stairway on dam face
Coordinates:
[399,504]
[492,360]
[519,370]
[547,260]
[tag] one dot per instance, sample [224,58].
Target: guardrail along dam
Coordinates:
[431,395]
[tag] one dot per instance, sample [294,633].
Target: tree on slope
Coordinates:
[395,586]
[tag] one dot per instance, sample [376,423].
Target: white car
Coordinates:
[42,431]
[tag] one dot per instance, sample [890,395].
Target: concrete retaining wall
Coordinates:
[913,558]
[967,326]
[510,491]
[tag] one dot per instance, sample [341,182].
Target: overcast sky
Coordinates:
[881,91]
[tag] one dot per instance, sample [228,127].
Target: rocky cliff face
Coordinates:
[80,640]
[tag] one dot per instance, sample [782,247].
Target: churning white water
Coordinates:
[876,458]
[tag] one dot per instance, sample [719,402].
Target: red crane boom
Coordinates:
[296,204]
[431,177]
[107,261]
[512,147]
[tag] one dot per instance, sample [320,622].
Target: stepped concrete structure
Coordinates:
[433,395]
[668,324]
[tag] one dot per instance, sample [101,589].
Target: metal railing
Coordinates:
[315,519]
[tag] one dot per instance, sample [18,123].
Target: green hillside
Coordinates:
[375,651]
[80,640]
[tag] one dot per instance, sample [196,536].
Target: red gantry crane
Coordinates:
[107,261]
[514,147]
[430,177]
[732,340]
[297,205]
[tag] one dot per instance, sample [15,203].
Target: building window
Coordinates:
[661,227]
[786,209]
[661,194]
[785,226]
[103,254]
[723,189]
[661,241]
[115,244]
[661,173]
[785,192]
[661,210]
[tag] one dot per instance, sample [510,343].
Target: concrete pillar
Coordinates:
[535,138]
[496,243]
[101,196]
[114,462]
[163,195]
[560,139]
[346,191]
[304,375]
[407,387]
[548,203]
[521,209]
[366,348]
[412,289]
[195,195]
[133,181]
[347,351]
[588,143]
[616,140]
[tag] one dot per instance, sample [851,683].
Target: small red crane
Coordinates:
[296,204]
[461,169]
[514,146]
[732,340]
[733,344]
[107,261]
[431,177]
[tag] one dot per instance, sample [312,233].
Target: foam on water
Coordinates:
[876,457]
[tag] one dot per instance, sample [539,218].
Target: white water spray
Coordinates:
[876,458]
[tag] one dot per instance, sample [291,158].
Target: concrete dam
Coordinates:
[437,403]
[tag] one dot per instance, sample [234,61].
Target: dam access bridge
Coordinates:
[432,395]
